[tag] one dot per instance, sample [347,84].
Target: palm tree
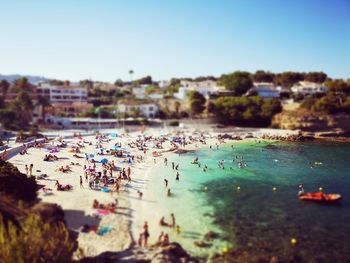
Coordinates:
[130,73]
[4,86]
[23,84]
[44,103]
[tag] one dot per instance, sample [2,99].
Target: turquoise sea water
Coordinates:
[257,219]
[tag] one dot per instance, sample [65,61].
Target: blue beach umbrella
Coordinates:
[104,160]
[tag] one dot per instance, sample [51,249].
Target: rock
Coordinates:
[211,235]
[172,253]
[49,212]
[201,243]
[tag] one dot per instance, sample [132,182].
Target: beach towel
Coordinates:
[102,212]
[104,230]
[105,189]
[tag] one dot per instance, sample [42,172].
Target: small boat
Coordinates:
[320,197]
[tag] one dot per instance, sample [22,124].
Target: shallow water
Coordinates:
[256,218]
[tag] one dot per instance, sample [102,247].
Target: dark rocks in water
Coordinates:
[211,235]
[183,151]
[290,138]
[172,253]
[243,256]
[201,243]
[225,136]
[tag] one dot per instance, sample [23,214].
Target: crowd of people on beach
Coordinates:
[111,170]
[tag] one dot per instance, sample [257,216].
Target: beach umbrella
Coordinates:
[104,160]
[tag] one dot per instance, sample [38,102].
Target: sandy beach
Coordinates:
[126,223]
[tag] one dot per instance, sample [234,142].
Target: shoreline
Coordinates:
[127,224]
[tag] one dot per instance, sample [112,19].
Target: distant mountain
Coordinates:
[31,79]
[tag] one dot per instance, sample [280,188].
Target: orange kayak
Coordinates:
[321,197]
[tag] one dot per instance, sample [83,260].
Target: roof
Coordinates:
[309,84]
[135,102]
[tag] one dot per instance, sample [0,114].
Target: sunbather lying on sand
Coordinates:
[65,169]
[110,206]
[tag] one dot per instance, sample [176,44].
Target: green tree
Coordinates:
[7,117]
[263,76]
[288,79]
[22,84]
[338,86]
[328,104]
[246,111]
[4,86]
[197,102]
[239,82]
[44,103]
[318,77]
[131,72]
[23,106]
[119,83]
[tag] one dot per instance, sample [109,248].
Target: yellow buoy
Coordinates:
[238,188]
[225,250]
[320,189]
[274,189]
[205,188]
[293,241]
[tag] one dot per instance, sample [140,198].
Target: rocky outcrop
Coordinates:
[156,254]
[307,121]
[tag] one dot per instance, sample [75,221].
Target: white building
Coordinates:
[163,84]
[56,93]
[69,100]
[205,87]
[308,88]
[141,93]
[266,90]
[148,109]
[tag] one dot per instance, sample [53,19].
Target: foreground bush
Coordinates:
[35,241]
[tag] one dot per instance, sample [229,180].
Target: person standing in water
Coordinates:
[166,182]
[173,220]
[145,233]
[301,190]
[177,176]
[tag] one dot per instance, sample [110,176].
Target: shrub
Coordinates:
[35,241]
[174,123]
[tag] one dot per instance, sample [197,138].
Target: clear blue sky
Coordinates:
[102,40]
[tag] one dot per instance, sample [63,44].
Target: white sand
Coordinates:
[131,212]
